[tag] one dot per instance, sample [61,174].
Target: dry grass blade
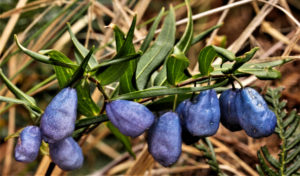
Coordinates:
[235,46]
[10,26]
[143,162]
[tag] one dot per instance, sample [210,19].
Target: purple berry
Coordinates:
[58,120]
[164,139]
[181,110]
[131,118]
[254,115]
[66,154]
[202,117]
[229,116]
[28,146]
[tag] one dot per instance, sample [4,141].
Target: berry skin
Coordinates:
[254,115]
[203,116]
[58,120]
[28,146]
[229,116]
[66,154]
[164,139]
[131,118]
[181,110]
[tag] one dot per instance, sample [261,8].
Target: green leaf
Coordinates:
[262,74]
[124,139]
[12,100]
[119,37]
[114,72]
[293,143]
[81,49]
[204,34]
[178,62]
[205,59]
[19,93]
[151,31]
[114,61]
[127,81]
[185,42]
[161,77]
[42,58]
[225,54]
[90,121]
[81,69]
[156,54]
[176,66]
[160,91]
[239,61]
[86,106]
[259,170]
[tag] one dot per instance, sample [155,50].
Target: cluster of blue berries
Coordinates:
[56,127]
[237,109]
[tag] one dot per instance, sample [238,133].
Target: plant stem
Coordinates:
[175,102]
[237,80]
[106,97]
[200,79]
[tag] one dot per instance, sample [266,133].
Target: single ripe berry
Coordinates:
[66,154]
[58,120]
[254,115]
[164,139]
[229,116]
[28,146]
[202,117]
[131,118]
[181,110]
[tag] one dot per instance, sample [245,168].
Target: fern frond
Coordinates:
[289,155]
[209,154]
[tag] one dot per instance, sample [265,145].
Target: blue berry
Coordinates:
[164,139]
[202,117]
[229,116]
[58,120]
[131,118]
[28,145]
[66,154]
[254,115]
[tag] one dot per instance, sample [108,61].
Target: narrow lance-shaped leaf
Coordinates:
[12,100]
[42,58]
[205,59]
[119,37]
[204,34]
[225,54]
[151,31]
[81,69]
[263,74]
[19,93]
[127,83]
[177,62]
[161,78]
[156,54]
[160,91]
[239,61]
[176,67]
[124,139]
[114,72]
[81,49]
[86,105]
